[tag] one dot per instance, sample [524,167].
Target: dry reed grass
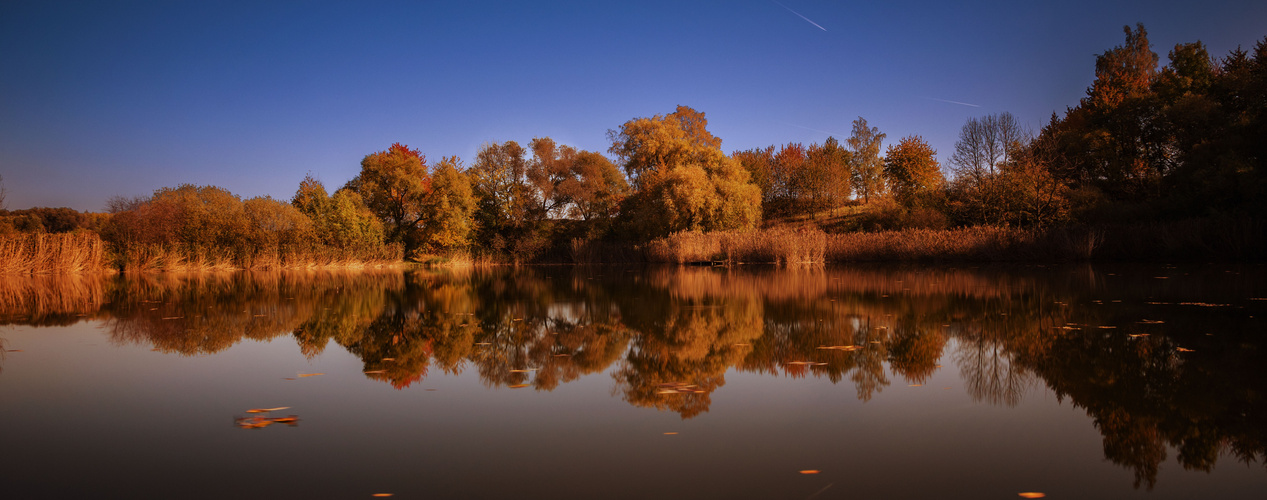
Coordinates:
[777,245]
[62,253]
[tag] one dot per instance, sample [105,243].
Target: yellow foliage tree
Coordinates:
[682,180]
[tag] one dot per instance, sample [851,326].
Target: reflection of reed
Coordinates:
[48,300]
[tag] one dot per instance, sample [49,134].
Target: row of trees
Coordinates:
[1146,142]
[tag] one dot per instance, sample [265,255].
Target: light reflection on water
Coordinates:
[497,377]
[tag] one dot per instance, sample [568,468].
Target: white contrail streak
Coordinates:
[953,102]
[798,14]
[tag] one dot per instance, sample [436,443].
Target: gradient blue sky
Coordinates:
[121,98]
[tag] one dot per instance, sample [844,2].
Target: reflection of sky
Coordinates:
[94,417]
[104,98]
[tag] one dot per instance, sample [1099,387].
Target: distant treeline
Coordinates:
[1173,156]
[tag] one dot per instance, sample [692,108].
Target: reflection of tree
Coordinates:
[669,335]
[989,372]
[207,313]
[683,352]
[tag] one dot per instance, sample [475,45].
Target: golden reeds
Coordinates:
[777,245]
[63,253]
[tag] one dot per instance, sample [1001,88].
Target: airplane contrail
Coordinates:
[953,102]
[789,9]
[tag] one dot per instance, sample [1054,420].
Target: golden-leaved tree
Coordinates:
[682,180]
[912,169]
[450,210]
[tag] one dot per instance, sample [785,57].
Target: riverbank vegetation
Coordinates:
[1155,162]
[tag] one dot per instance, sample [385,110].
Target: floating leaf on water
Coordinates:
[1161,277]
[288,378]
[1134,335]
[154,349]
[1032,494]
[1106,327]
[916,385]
[389,359]
[383,494]
[670,433]
[372,372]
[518,386]
[564,355]
[175,317]
[742,345]
[266,410]
[482,343]
[309,374]
[1150,322]
[809,471]
[524,371]
[1181,349]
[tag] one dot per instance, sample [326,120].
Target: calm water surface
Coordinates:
[1145,381]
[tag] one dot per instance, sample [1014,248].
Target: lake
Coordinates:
[1078,381]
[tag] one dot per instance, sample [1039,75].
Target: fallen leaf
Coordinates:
[670,433]
[288,378]
[809,471]
[1032,494]
[389,359]
[266,410]
[375,372]
[916,385]
[518,386]
[1106,327]
[1181,349]
[524,371]
[310,374]
[383,494]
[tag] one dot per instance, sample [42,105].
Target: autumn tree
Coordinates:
[682,180]
[576,184]
[867,166]
[759,163]
[985,144]
[450,209]
[395,185]
[829,175]
[341,221]
[911,169]
[499,181]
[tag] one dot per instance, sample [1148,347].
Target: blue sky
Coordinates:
[121,98]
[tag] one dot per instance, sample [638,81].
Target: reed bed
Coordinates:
[777,246]
[61,253]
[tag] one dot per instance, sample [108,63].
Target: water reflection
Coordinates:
[1157,357]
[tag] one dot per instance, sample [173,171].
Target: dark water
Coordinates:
[1145,381]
